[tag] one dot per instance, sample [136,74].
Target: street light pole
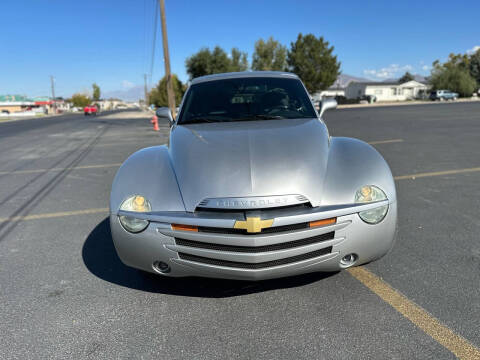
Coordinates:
[145,89]
[166,57]
[52,82]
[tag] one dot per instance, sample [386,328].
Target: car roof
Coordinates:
[244,74]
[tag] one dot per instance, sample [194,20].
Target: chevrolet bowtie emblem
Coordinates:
[253,224]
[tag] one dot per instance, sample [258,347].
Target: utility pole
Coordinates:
[166,58]
[52,81]
[145,89]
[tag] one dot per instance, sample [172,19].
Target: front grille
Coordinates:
[263,265]
[271,230]
[256,249]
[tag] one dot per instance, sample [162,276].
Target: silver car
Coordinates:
[252,186]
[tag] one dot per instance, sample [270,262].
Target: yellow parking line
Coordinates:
[34,171]
[385,141]
[437,173]
[54,215]
[455,343]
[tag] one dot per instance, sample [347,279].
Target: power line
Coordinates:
[155,25]
[144,54]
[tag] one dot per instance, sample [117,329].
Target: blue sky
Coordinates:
[110,42]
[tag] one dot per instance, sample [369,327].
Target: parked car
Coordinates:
[251,186]
[90,110]
[442,95]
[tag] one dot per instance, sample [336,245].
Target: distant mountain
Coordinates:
[131,94]
[420,78]
[344,79]
[416,77]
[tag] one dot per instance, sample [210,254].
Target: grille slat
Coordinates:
[263,265]
[255,249]
[271,230]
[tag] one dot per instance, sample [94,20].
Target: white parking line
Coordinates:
[455,343]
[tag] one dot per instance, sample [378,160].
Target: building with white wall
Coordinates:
[386,91]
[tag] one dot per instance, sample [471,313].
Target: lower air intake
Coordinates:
[256,266]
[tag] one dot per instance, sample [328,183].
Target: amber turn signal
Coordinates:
[184,227]
[323,222]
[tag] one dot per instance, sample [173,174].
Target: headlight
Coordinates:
[370,193]
[135,203]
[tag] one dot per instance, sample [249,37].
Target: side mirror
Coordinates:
[327,104]
[164,113]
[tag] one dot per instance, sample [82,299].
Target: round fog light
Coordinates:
[348,260]
[161,267]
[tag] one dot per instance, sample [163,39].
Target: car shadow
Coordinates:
[101,259]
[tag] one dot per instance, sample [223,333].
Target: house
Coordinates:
[330,92]
[47,104]
[387,91]
[15,103]
[337,89]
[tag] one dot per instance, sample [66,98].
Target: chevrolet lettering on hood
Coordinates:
[253,202]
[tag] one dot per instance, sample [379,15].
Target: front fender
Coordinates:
[149,173]
[352,164]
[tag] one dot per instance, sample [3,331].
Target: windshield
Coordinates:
[245,99]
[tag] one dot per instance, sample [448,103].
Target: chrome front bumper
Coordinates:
[254,256]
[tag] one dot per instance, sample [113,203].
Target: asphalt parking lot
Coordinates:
[65,294]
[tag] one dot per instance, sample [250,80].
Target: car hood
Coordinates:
[250,158]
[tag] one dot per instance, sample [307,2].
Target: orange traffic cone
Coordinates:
[155,123]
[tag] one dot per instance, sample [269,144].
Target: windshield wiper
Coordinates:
[197,120]
[260,117]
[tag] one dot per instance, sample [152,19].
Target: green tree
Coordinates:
[206,62]
[269,55]
[474,67]
[238,60]
[199,63]
[406,77]
[96,92]
[158,95]
[219,61]
[313,61]
[80,100]
[455,79]
[460,61]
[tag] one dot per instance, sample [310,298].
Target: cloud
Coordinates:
[426,67]
[473,50]
[127,84]
[391,71]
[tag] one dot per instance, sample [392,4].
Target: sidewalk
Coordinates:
[10,118]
